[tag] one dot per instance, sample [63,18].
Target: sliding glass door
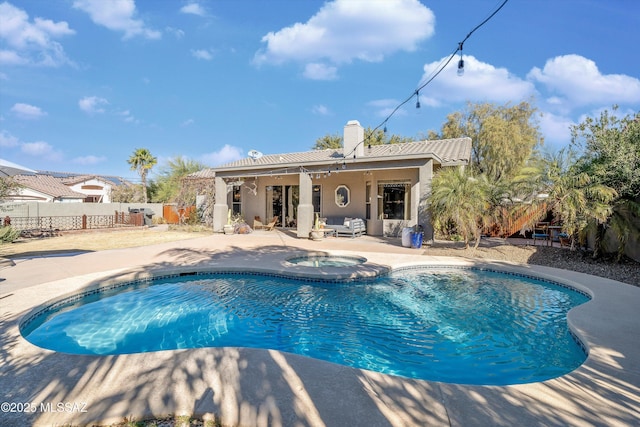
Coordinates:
[282,202]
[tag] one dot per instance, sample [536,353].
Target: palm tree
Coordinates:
[142,161]
[170,185]
[574,197]
[460,199]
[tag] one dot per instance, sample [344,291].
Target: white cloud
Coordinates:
[321,110]
[187,122]
[41,149]
[128,117]
[89,160]
[26,111]
[317,71]
[92,104]
[556,129]
[7,140]
[346,30]
[193,9]
[226,154]
[31,42]
[202,54]
[10,57]
[480,82]
[177,32]
[118,16]
[37,149]
[577,81]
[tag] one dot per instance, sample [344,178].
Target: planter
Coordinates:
[316,235]
[229,229]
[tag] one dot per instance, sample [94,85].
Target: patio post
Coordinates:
[220,207]
[425,177]
[305,206]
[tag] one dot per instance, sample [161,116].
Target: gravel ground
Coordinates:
[627,271]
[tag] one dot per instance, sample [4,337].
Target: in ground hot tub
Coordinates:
[327,260]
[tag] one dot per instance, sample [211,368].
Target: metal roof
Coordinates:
[447,152]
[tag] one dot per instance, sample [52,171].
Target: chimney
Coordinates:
[353,139]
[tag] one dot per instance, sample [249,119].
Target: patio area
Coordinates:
[252,387]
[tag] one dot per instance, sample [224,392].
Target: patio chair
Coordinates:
[541,232]
[258,224]
[272,224]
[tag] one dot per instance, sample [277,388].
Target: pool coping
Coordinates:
[265,387]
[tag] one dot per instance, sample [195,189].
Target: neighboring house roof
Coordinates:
[70,178]
[73,180]
[47,184]
[447,152]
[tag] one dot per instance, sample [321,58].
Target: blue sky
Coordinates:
[83,83]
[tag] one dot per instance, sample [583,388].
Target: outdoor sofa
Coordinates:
[352,227]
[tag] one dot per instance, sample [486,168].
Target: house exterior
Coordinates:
[44,188]
[386,185]
[95,188]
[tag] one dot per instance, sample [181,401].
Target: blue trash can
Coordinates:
[416,239]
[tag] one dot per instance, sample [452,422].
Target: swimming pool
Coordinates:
[463,326]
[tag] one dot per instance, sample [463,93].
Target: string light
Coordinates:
[415,93]
[460,62]
[435,74]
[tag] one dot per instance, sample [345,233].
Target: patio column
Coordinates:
[305,206]
[425,175]
[220,207]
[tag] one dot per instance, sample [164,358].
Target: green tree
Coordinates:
[574,197]
[8,187]
[170,186]
[611,148]
[459,199]
[377,137]
[132,193]
[142,161]
[504,143]
[327,142]
[503,137]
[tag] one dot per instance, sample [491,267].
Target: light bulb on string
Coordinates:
[461,63]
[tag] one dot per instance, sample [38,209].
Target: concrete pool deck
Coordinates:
[251,387]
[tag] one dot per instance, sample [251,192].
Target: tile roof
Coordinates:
[48,185]
[73,178]
[445,151]
[76,179]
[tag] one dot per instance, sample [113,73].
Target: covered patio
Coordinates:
[385,185]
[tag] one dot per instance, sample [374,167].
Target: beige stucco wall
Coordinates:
[256,204]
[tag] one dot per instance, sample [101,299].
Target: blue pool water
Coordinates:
[456,326]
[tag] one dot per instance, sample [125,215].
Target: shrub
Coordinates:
[8,234]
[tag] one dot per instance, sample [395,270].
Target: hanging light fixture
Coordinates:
[461,63]
[417,99]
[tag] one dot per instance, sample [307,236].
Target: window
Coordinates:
[236,200]
[316,199]
[343,196]
[394,200]
[368,200]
